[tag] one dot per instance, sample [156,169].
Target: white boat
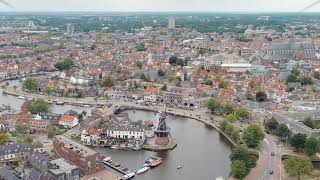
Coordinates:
[106,160]
[60,103]
[21,97]
[142,170]
[179,167]
[128,176]
[220,178]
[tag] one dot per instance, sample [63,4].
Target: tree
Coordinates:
[311,146]
[47,90]
[209,82]
[214,105]
[164,87]
[64,65]
[51,132]
[283,132]
[253,135]
[161,73]
[29,84]
[231,118]
[271,124]
[39,106]
[107,82]
[242,113]
[306,81]
[173,60]
[297,167]
[21,128]
[4,139]
[141,47]
[308,121]
[239,153]
[15,162]
[298,140]
[28,139]
[139,64]
[292,78]
[316,74]
[228,109]
[238,169]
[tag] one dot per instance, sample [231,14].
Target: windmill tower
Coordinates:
[162,132]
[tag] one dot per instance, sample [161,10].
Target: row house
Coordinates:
[11,151]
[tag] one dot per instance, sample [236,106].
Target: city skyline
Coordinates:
[162,6]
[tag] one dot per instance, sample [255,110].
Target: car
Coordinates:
[271,172]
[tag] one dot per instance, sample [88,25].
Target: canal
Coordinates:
[201,151]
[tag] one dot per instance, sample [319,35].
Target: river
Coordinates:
[201,151]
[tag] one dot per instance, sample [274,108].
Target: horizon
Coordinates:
[215,6]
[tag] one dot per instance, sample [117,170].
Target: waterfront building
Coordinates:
[61,169]
[88,160]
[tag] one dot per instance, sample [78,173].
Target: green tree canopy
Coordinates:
[139,64]
[39,106]
[161,73]
[107,82]
[297,167]
[253,135]
[282,131]
[29,84]
[51,132]
[231,118]
[242,113]
[298,140]
[311,146]
[271,124]
[64,65]
[308,121]
[214,105]
[4,138]
[47,90]
[238,169]
[228,108]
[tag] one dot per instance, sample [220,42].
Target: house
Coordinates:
[68,121]
[7,174]
[11,151]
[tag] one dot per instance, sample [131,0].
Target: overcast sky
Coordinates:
[161,5]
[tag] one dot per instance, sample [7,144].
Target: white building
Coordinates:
[70,29]
[68,121]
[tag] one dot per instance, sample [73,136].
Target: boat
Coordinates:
[128,176]
[220,178]
[179,167]
[115,147]
[154,161]
[142,170]
[60,103]
[106,160]
[21,97]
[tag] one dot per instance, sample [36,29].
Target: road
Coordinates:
[267,162]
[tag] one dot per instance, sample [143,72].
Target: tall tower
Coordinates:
[70,29]
[172,22]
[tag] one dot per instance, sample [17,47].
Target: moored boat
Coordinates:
[128,176]
[154,161]
[142,170]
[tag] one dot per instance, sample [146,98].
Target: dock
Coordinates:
[112,165]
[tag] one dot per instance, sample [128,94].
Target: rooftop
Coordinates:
[61,166]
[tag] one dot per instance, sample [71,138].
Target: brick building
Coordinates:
[85,158]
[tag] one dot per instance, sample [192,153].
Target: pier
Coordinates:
[117,167]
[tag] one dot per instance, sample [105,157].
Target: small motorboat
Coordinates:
[179,167]
[142,170]
[128,176]
[21,97]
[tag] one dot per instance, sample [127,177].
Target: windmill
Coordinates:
[163,130]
